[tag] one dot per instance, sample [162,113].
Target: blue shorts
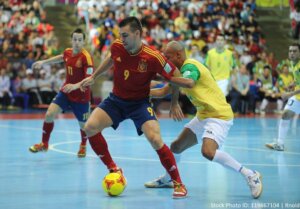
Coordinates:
[118,109]
[80,110]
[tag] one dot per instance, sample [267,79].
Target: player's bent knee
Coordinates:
[155,141]
[175,148]
[287,115]
[89,129]
[50,116]
[208,153]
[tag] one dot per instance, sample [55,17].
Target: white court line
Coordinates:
[114,137]
[52,147]
[133,137]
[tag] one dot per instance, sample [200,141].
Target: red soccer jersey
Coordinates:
[78,67]
[133,73]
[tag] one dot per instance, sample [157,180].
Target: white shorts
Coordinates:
[212,128]
[293,104]
[223,85]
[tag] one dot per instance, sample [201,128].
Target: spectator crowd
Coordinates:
[25,36]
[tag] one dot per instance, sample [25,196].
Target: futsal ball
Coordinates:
[114,184]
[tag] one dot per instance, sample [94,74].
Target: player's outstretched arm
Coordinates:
[103,67]
[182,82]
[52,60]
[286,96]
[72,87]
[160,92]
[175,109]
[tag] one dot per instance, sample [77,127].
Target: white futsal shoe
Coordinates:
[161,182]
[275,146]
[255,184]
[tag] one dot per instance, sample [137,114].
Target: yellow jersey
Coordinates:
[220,63]
[284,81]
[206,96]
[296,74]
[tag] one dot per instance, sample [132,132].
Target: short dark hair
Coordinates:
[78,30]
[296,45]
[134,24]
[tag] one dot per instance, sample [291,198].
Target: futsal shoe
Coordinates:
[82,151]
[119,171]
[38,148]
[275,146]
[179,191]
[255,184]
[161,182]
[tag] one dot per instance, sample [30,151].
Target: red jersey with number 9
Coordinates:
[78,67]
[133,73]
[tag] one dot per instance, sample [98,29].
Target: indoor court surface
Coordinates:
[58,179]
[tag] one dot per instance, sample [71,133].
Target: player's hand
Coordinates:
[176,112]
[69,88]
[285,96]
[87,82]
[37,65]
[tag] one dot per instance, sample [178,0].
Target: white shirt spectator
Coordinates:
[295,15]
[4,85]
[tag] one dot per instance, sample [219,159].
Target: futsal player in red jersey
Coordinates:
[78,65]
[135,65]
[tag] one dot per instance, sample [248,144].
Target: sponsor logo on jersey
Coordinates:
[118,59]
[142,65]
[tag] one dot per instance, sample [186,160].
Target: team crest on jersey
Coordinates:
[142,66]
[118,59]
[78,63]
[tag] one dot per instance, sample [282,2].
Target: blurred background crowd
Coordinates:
[257,78]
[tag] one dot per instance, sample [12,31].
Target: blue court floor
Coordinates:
[58,179]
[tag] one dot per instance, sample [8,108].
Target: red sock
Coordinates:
[83,137]
[168,161]
[47,129]
[100,147]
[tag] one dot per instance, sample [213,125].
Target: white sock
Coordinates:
[284,126]
[246,172]
[177,159]
[226,160]
[279,104]
[263,104]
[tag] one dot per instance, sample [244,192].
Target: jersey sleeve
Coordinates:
[88,64]
[65,54]
[165,67]
[190,71]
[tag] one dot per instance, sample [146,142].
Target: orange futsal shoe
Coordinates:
[82,151]
[179,190]
[38,148]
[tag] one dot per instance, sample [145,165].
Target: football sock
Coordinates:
[264,104]
[168,161]
[283,128]
[226,160]
[47,129]
[100,147]
[177,159]
[246,172]
[83,137]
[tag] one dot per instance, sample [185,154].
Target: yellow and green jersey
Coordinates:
[296,74]
[284,81]
[220,63]
[206,96]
